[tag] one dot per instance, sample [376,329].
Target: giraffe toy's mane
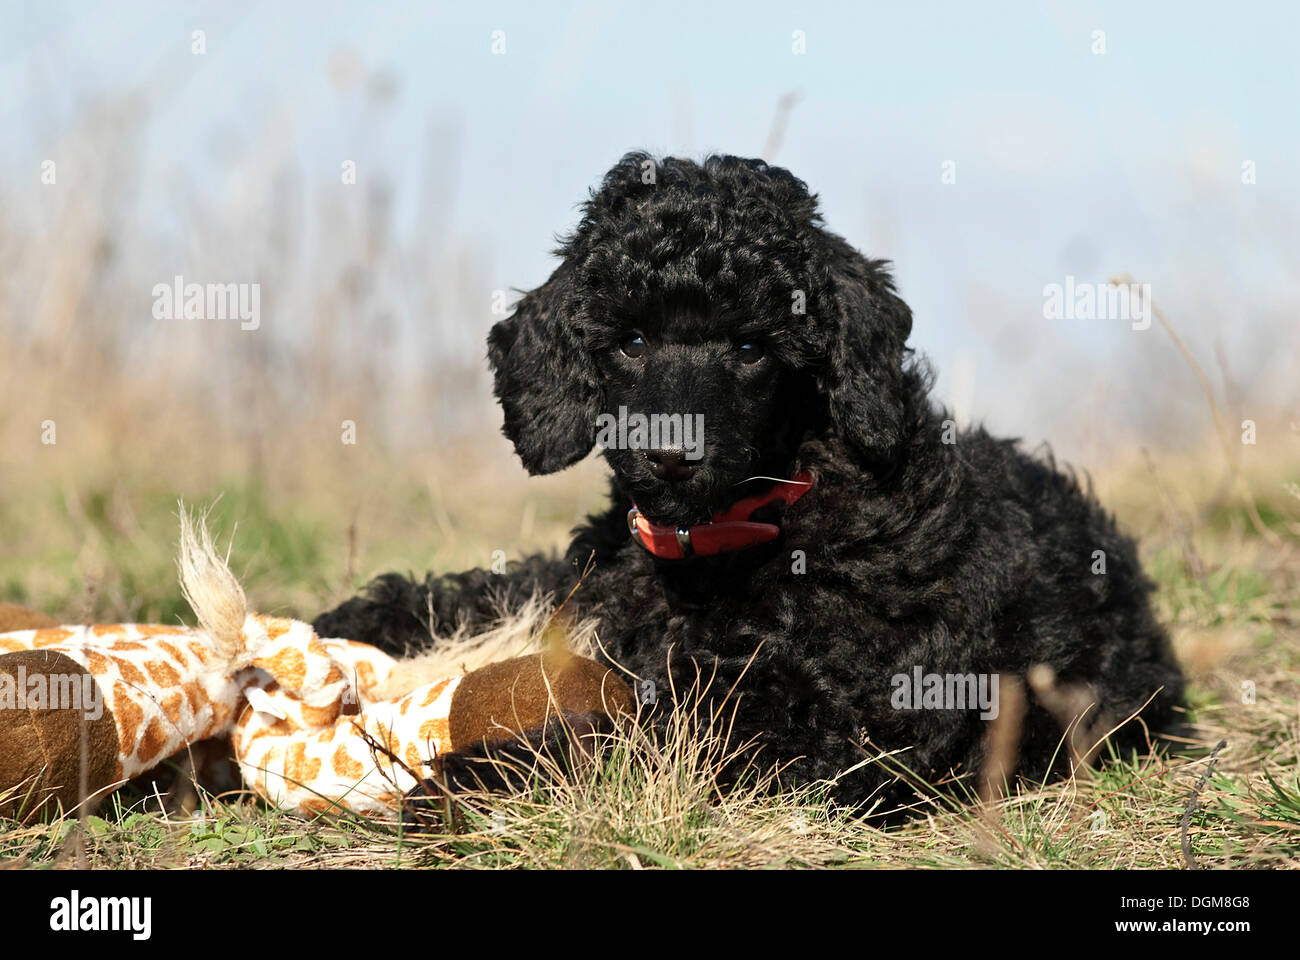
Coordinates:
[531,628]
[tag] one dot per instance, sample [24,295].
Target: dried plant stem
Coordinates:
[1220,428]
[1192,802]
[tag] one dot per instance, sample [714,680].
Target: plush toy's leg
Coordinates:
[51,753]
[508,714]
[161,687]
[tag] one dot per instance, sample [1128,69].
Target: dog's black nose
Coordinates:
[670,465]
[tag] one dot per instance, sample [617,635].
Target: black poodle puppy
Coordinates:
[790,514]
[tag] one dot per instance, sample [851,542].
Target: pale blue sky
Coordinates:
[1067,162]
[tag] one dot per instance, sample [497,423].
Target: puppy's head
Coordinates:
[702,324]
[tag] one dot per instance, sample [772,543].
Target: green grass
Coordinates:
[1229,597]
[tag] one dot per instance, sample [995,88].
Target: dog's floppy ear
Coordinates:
[863,378]
[543,377]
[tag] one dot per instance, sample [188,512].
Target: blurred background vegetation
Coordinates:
[377,296]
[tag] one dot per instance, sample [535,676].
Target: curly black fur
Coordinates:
[918,546]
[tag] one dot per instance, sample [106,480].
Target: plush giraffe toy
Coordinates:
[315,724]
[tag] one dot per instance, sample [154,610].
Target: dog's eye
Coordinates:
[750,352]
[633,346]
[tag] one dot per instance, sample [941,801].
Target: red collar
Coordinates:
[729,530]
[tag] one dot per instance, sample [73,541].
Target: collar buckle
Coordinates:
[632,528]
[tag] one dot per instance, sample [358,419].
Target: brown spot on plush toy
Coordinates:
[345,766]
[506,714]
[40,747]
